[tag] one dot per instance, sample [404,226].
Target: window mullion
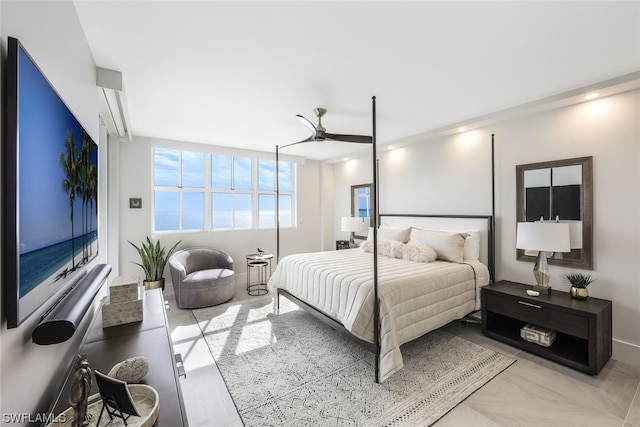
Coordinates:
[254,195]
[208,208]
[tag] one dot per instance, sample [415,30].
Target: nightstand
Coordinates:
[342,244]
[583,327]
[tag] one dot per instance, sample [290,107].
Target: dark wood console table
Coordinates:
[149,338]
[583,327]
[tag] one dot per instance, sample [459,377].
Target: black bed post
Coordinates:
[492,227]
[277,225]
[374,205]
[277,208]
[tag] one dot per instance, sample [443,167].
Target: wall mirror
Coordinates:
[559,190]
[361,207]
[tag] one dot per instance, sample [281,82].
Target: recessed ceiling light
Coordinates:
[462,129]
[591,96]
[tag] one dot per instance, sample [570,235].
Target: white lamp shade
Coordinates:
[543,236]
[351,224]
[575,233]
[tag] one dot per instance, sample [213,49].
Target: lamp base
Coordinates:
[541,273]
[546,290]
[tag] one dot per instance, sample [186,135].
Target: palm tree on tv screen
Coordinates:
[70,184]
[88,190]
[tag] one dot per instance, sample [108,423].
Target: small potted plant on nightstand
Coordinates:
[579,283]
[153,259]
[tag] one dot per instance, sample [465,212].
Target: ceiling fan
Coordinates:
[319,132]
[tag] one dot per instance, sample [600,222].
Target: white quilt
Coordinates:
[415,297]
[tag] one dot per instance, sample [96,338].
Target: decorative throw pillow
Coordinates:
[413,251]
[132,370]
[366,246]
[388,248]
[449,245]
[396,249]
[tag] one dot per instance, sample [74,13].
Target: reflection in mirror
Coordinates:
[361,207]
[559,191]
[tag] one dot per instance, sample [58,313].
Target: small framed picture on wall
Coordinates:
[135,203]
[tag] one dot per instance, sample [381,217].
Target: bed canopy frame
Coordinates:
[376,219]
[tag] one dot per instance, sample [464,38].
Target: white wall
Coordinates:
[51,33]
[452,175]
[136,180]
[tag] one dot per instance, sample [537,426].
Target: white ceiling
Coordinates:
[237,73]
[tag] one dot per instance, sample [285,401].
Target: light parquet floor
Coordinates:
[532,392]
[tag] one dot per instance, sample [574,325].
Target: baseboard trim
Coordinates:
[626,352]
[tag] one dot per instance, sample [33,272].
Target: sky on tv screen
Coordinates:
[44,123]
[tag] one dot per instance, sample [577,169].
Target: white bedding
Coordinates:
[415,297]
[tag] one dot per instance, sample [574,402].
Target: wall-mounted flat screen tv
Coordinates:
[50,191]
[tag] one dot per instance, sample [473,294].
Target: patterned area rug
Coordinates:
[289,369]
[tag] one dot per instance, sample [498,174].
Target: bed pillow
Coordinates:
[388,248]
[389,233]
[449,245]
[418,252]
[472,244]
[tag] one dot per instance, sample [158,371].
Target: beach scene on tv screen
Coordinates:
[58,174]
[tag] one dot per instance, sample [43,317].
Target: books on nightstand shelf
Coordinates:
[537,335]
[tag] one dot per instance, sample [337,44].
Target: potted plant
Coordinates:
[153,260]
[579,283]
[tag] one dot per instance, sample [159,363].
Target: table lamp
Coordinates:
[351,224]
[543,237]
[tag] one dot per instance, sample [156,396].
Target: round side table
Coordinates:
[258,262]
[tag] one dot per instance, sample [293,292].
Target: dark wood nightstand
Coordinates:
[583,327]
[342,244]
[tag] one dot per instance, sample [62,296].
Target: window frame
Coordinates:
[209,191]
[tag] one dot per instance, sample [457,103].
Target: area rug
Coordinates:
[289,369]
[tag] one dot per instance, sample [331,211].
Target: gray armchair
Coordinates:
[201,277]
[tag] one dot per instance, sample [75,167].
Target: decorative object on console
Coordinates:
[351,225]
[116,398]
[153,259]
[124,304]
[132,370]
[543,237]
[579,283]
[80,388]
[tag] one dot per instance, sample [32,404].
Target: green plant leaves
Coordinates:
[153,258]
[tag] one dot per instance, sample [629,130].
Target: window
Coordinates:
[178,190]
[232,192]
[196,191]
[266,193]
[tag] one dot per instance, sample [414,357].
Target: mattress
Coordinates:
[415,297]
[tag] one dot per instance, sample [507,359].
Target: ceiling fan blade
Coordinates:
[360,139]
[310,139]
[306,121]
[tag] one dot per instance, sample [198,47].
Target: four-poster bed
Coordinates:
[383,301]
